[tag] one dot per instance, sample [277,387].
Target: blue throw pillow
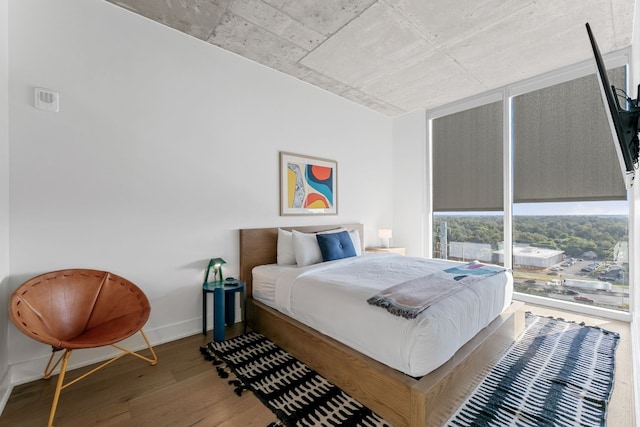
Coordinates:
[335,246]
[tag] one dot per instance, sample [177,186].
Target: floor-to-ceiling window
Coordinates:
[468,173]
[568,216]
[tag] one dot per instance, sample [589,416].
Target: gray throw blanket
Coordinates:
[410,298]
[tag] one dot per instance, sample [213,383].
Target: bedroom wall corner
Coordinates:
[410,190]
[5,386]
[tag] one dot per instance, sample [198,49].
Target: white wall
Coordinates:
[4,198]
[163,147]
[410,188]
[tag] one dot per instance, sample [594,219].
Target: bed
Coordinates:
[398,380]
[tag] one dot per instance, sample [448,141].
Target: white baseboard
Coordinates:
[5,389]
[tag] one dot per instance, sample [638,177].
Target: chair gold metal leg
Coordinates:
[59,387]
[139,356]
[153,353]
[124,351]
[50,368]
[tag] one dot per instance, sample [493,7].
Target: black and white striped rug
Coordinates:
[297,395]
[557,374]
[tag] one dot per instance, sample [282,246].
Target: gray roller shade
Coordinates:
[467,160]
[563,149]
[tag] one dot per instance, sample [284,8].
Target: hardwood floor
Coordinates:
[185,390]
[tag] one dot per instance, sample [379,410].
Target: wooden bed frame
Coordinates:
[400,399]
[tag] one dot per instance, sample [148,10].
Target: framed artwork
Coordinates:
[308,185]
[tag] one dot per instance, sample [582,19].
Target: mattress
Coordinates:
[264,282]
[331,297]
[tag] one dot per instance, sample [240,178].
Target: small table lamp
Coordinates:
[385,234]
[216,264]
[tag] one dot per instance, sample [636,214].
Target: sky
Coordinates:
[573,208]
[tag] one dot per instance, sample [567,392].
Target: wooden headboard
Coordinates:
[258,246]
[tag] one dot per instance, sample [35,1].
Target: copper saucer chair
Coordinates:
[76,309]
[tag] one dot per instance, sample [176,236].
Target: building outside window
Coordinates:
[576,252]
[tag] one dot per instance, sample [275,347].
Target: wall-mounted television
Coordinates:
[623,119]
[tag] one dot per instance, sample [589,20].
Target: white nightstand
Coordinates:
[400,251]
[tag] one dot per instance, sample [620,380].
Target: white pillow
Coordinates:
[286,255]
[355,238]
[306,248]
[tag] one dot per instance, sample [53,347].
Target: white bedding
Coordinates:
[266,276]
[331,297]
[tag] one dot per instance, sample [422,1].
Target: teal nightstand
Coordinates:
[223,295]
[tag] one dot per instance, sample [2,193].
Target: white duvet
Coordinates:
[331,297]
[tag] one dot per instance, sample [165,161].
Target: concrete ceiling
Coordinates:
[396,56]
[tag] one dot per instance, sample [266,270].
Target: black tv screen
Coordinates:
[623,120]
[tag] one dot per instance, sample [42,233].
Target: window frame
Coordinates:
[506,94]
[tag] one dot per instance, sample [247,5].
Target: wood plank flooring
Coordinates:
[185,390]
